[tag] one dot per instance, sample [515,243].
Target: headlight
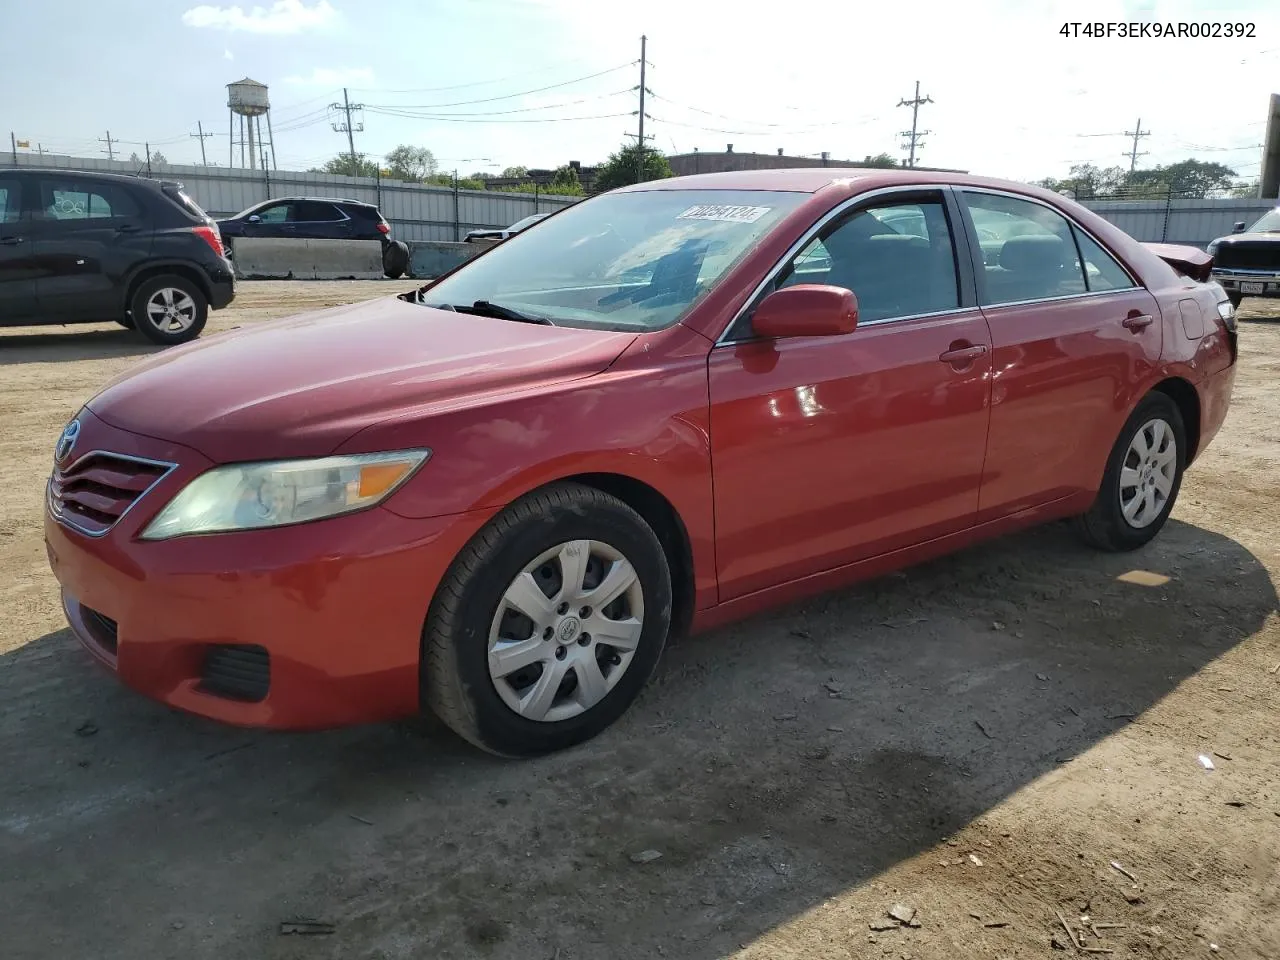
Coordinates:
[248,496]
[1212,248]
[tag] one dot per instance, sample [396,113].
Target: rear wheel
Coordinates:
[548,624]
[169,309]
[1142,479]
[395,259]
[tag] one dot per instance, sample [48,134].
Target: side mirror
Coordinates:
[1238,227]
[254,218]
[806,310]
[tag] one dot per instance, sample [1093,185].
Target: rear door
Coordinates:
[17,266]
[828,450]
[315,219]
[1072,334]
[88,235]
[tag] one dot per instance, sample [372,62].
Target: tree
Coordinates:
[515,173]
[1245,189]
[880,160]
[158,157]
[408,162]
[624,167]
[349,165]
[1192,178]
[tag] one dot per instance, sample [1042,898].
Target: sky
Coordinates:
[486,84]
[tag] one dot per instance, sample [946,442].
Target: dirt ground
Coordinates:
[977,739]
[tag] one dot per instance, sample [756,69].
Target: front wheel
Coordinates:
[1142,478]
[548,624]
[169,310]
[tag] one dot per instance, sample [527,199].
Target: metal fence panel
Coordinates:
[415,211]
[1193,222]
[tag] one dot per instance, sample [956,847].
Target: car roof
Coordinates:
[354,203]
[814,179]
[89,174]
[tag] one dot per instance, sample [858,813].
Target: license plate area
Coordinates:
[1246,287]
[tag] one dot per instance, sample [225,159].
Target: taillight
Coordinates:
[210,234]
[384,227]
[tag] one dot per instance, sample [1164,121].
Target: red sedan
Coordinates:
[671,405]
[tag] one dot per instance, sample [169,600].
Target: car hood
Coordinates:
[1252,237]
[300,387]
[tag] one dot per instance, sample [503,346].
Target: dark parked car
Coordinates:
[319,218]
[505,232]
[79,247]
[1247,263]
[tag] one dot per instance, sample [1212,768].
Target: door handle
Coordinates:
[128,228]
[10,241]
[960,355]
[1137,321]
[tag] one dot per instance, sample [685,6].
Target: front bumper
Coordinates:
[1250,283]
[331,612]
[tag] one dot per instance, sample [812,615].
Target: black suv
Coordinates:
[79,247]
[319,218]
[1247,263]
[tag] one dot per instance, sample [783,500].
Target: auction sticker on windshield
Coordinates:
[727,214]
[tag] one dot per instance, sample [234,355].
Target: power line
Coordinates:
[522,93]
[447,118]
[1137,133]
[110,151]
[404,112]
[915,103]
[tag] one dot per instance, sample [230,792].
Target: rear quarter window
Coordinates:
[183,199]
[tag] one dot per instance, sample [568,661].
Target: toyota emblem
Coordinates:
[67,441]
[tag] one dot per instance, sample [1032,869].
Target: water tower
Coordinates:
[248,100]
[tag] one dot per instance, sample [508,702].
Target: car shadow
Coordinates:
[79,342]
[772,765]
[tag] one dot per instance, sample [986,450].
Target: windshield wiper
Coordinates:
[485,308]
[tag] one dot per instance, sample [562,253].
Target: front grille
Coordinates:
[1249,255]
[237,672]
[103,629]
[96,490]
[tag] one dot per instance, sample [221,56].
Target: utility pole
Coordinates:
[641,136]
[350,129]
[914,134]
[204,162]
[111,150]
[13,145]
[147,148]
[1137,133]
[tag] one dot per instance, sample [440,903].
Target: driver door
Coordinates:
[830,450]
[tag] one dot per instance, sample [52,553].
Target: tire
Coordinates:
[1235,299]
[467,614]
[395,259]
[1106,526]
[191,309]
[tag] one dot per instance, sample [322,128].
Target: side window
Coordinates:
[1028,250]
[10,201]
[897,258]
[312,211]
[276,213]
[69,200]
[1101,270]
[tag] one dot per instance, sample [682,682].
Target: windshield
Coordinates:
[1270,223]
[621,261]
[528,221]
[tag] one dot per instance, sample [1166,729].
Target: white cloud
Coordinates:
[334,77]
[228,55]
[283,16]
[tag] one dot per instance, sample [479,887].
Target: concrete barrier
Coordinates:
[262,259]
[431,258]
